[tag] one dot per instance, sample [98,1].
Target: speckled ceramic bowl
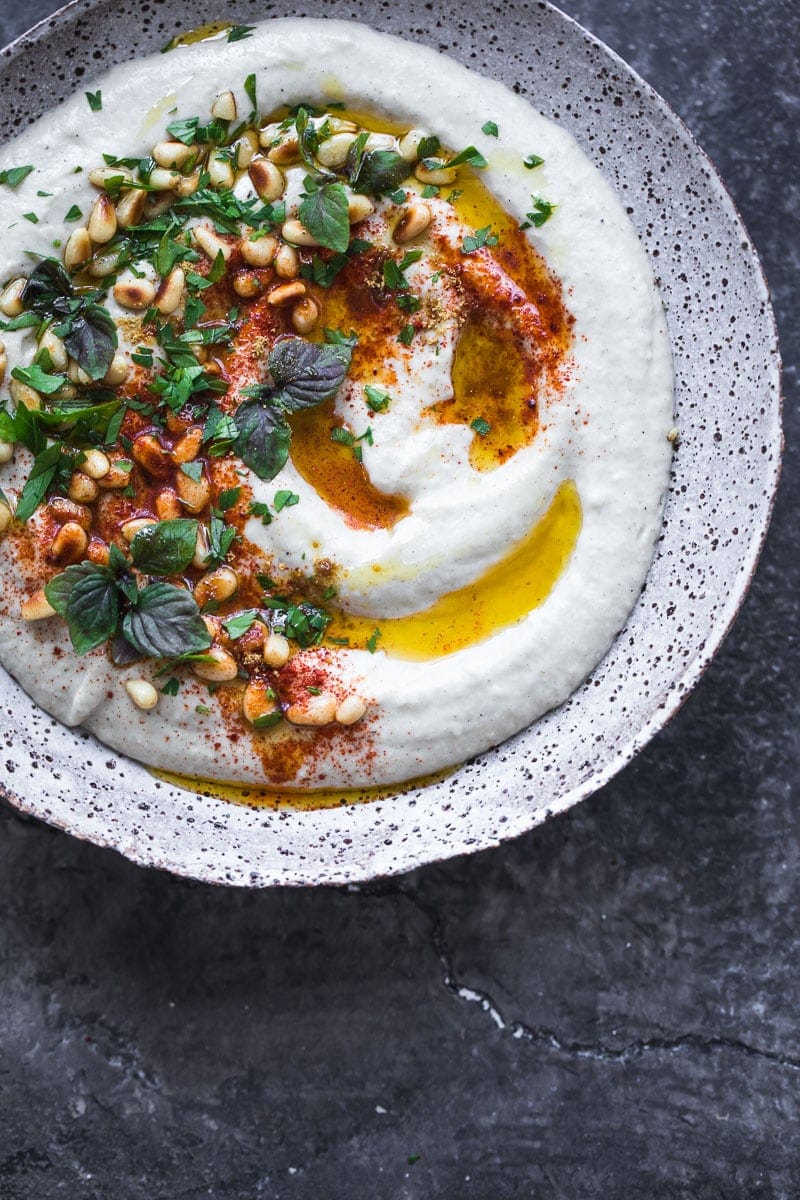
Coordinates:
[724,476]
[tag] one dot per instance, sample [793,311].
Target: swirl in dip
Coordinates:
[337,398]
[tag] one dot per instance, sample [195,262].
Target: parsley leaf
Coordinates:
[237,33]
[13,176]
[490,129]
[377,399]
[532,161]
[95,100]
[482,237]
[481,426]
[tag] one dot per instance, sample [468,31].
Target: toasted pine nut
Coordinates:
[95,464]
[414,221]
[172,154]
[305,315]
[358,208]
[220,172]
[3,363]
[55,348]
[246,284]
[106,262]
[187,448]
[188,184]
[210,242]
[142,693]
[77,250]
[82,489]
[222,669]
[159,202]
[148,452]
[276,650]
[102,223]
[168,506]
[6,517]
[224,107]
[24,395]
[350,710]
[287,293]
[118,475]
[409,144]
[99,176]
[201,549]
[294,231]
[36,607]
[379,141]
[217,585]
[170,292]
[6,452]
[11,298]
[267,179]
[287,262]
[259,252]
[193,495]
[244,149]
[118,372]
[435,175]
[314,710]
[67,391]
[130,207]
[164,179]
[129,529]
[342,125]
[260,704]
[65,511]
[216,629]
[333,151]
[68,545]
[287,152]
[136,294]
[269,134]
[97,552]
[76,373]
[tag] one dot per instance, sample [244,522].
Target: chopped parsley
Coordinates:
[259,509]
[372,640]
[482,237]
[13,176]
[74,214]
[285,499]
[481,426]
[490,129]
[542,211]
[95,100]
[171,687]
[237,33]
[377,399]
[32,217]
[406,334]
[532,161]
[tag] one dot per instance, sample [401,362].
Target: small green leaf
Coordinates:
[13,176]
[250,92]
[194,470]
[372,640]
[285,499]
[32,217]
[324,214]
[263,438]
[477,241]
[171,687]
[481,426]
[239,624]
[237,33]
[165,548]
[74,214]
[377,399]
[166,623]
[307,373]
[95,100]
[406,334]
[532,161]
[490,129]
[228,498]
[38,379]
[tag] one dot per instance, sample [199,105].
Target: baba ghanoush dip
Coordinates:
[335,409]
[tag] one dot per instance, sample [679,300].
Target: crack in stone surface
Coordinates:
[542,1036]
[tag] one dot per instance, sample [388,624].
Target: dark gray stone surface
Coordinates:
[607,1007]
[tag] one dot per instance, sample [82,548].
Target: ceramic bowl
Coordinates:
[722,485]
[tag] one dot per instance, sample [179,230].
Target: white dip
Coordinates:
[606,430]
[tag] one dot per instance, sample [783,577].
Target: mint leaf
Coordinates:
[86,596]
[165,548]
[41,380]
[307,373]
[263,438]
[165,623]
[377,172]
[324,214]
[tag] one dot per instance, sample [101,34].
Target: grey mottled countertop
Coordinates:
[608,1007]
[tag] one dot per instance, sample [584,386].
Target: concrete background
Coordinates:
[604,1008]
